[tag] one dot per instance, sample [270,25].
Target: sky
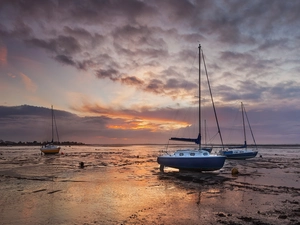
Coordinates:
[126,71]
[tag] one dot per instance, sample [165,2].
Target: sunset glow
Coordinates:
[128,70]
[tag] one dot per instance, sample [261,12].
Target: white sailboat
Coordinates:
[190,159]
[51,148]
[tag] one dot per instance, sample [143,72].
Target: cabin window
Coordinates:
[192,154]
[205,153]
[181,154]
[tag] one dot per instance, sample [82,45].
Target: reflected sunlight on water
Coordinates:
[123,184]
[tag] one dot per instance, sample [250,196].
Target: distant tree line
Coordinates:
[35,143]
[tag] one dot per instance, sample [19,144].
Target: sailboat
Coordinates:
[242,152]
[191,159]
[51,148]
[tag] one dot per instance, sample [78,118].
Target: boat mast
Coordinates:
[205,134]
[212,101]
[245,141]
[249,126]
[199,96]
[52,121]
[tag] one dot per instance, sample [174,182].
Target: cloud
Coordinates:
[155,86]
[234,57]
[251,52]
[64,48]
[253,92]
[132,81]
[112,74]
[274,43]
[65,59]
[3,56]
[287,90]
[30,123]
[29,84]
[249,91]
[60,45]
[137,113]
[19,30]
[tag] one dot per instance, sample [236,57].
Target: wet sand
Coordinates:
[125,186]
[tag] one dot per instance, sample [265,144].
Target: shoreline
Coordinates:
[187,145]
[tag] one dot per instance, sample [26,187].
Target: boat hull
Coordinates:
[210,163]
[239,155]
[50,150]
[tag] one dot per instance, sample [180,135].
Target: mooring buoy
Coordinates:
[234,171]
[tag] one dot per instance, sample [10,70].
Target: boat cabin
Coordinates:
[191,153]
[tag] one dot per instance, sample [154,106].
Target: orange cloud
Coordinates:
[137,119]
[153,125]
[30,86]
[3,56]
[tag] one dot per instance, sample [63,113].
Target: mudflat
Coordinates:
[89,185]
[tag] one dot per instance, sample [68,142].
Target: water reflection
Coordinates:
[124,185]
[199,187]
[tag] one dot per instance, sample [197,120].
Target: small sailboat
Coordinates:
[242,152]
[51,148]
[191,159]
